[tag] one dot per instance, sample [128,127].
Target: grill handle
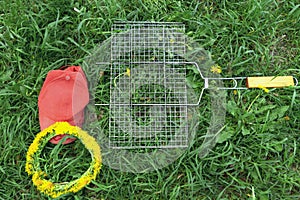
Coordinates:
[251,82]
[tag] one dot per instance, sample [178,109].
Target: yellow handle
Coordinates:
[270,81]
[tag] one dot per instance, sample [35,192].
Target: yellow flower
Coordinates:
[216,69]
[263,88]
[127,73]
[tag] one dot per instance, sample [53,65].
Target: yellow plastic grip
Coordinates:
[270,81]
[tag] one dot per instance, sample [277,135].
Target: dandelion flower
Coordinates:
[216,69]
[127,73]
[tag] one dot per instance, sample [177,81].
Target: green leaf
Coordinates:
[278,147]
[232,108]
[248,116]
[264,108]
[192,83]
[193,68]
[6,75]
[278,113]
[245,131]
[225,135]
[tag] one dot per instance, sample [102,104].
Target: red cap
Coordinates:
[63,97]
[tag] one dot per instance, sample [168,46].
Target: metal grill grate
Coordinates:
[148,100]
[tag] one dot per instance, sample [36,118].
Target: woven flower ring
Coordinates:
[33,168]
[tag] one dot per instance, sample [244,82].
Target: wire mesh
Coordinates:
[148,101]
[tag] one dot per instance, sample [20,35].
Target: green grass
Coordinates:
[257,156]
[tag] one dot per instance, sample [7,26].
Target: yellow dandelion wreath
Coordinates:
[32,167]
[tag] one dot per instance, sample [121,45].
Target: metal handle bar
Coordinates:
[206,81]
